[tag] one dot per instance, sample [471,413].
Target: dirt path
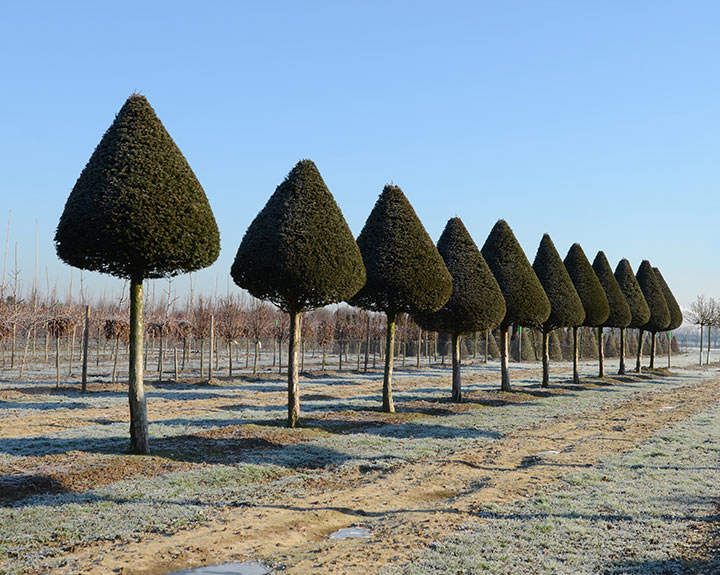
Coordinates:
[405,508]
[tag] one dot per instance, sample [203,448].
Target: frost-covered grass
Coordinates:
[629,515]
[339,434]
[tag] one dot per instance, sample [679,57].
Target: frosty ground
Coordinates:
[616,475]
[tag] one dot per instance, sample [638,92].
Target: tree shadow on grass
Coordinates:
[707,566]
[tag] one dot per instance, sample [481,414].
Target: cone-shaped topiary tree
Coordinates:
[619,310]
[137,211]
[591,294]
[525,300]
[566,309]
[639,310]
[476,302]
[300,254]
[676,316]
[405,272]
[659,312]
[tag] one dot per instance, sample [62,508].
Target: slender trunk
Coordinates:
[25,353]
[601,353]
[456,360]
[57,361]
[136,390]
[638,363]
[255,359]
[247,353]
[487,343]
[340,357]
[12,346]
[419,347]
[230,366]
[116,352]
[504,368]
[293,376]
[175,361]
[546,358]
[388,405]
[701,342]
[359,352]
[621,371]
[161,354]
[367,342]
[707,357]
[97,350]
[302,355]
[280,355]
[576,374]
[653,340]
[72,352]
[669,347]
[212,347]
[86,342]
[202,357]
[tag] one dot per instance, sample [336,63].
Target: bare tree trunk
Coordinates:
[72,352]
[707,357]
[136,388]
[57,361]
[255,360]
[419,347]
[638,363]
[367,342]
[653,339]
[161,353]
[230,365]
[487,344]
[175,361]
[116,353]
[621,371]
[202,357]
[601,353]
[293,376]
[504,368]
[546,358]
[212,347]
[86,343]
[388,405]
[25,353]
[701,342]
[669,347]
[456,376]
[576,374]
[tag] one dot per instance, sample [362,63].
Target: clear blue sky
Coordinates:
[596,122]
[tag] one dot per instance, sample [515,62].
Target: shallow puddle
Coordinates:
[247,568]
[353,532]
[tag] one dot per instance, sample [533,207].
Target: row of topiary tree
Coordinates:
[137,211]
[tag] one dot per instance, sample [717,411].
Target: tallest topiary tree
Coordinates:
[137,211]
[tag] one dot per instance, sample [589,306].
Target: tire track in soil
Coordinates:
[405,508]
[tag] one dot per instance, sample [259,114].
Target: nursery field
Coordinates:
[616,475]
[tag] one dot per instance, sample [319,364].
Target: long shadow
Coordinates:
[710,566]
[43,405]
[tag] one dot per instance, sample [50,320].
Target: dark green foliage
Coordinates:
[566,309]
[476,302]
[588,287]
[525,300]
[137,210]
[620,315]
[405,272]
[589,349]
[659,313]
[676,316]
[524,352]
[555,350]
[299,252]
[639,309]
[611,345]
[493,349]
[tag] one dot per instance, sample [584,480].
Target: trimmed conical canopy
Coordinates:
[525,300]
[588,287]
[627,281]
[137,210]
[299,252]
[405,272]
[659,313]
[476,302]
[676,316]
[620,315]
[566,309]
